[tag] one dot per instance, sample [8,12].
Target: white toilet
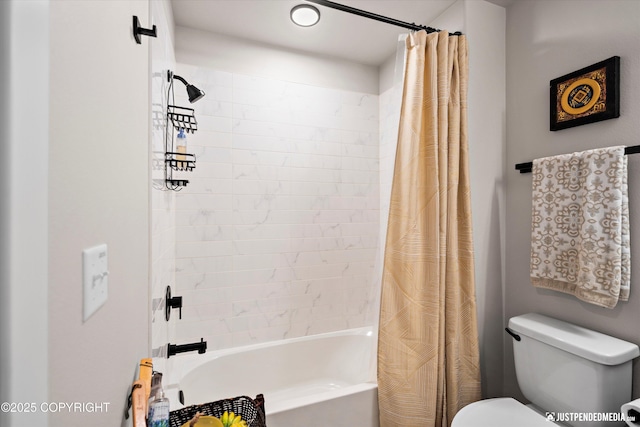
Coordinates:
[561,368]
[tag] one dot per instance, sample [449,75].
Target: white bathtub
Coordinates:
[310,381]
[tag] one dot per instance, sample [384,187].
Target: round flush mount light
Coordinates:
[305,15]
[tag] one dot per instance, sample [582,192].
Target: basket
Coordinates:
[251,410]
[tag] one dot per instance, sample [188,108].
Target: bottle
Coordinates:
[156,386]
[159,411]
[181,147]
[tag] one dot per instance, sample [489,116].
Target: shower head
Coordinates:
[193,92]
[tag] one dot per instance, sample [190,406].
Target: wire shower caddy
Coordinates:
[179,118]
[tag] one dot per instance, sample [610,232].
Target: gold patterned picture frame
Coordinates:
[588,95]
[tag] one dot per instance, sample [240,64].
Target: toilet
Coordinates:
[561,368]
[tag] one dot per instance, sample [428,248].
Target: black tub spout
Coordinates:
[200,347]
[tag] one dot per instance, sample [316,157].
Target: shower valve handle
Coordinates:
[172,302]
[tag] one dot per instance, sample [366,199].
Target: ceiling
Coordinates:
[338,34]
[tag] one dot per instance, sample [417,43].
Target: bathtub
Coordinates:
[311,381]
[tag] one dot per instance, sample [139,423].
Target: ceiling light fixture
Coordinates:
[305,15]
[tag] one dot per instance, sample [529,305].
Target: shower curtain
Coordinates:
[428,357]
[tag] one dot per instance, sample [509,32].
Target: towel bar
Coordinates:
[526,167]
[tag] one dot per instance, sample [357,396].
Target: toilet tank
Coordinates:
[564,368]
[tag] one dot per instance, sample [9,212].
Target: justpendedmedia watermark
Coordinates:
[55,407]
[588,416]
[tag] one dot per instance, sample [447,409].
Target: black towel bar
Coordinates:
[526,167]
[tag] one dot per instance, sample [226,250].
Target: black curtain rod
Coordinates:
[375,16]
[526,167]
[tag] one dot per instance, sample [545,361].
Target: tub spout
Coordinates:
[200,347]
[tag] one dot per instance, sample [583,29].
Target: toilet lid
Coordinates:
[499,412]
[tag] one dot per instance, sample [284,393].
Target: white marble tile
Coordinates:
[315,188]
[359,164]
[205,170]
[206,186]
[187,332]
[207,138]
[263,128]
[260,172]
[259,292]
[205,312]
[256,84]
[186,201]
[277,234]
[261,187]
[204,233]
[203,249]
[209,154]
[263,246]
[313,147]
[320,271]
[260,202]
[312,203]
[214,124]
[203,216]
[306,160]
[278,275]
[263,113]
[203,265]
[360,150]
[317,230]
[261,231]
[255,217]
[213,108]
[315,175]
[260,261]
[208,296]
[263,143]
[263,158]
[204,75]
[218,279]
[316,244]
[360,138]
[358,176]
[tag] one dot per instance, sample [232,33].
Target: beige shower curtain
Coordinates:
[428,365]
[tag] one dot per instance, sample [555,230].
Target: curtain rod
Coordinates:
[375,16]
[526,167]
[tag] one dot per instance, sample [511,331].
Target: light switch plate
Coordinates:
[94,278]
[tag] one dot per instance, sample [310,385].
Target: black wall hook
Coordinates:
[138,30]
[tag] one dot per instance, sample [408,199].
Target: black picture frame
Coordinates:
[590,94]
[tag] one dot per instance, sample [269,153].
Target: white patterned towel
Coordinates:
[580,225]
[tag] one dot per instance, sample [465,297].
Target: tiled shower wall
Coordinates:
[277,231]
[390,101]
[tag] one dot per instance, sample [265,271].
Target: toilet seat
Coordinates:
[499,412]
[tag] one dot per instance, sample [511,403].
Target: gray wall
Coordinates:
[546,40]
[98,193]
[24,94]
[484,25]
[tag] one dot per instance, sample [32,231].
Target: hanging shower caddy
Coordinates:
[177,118]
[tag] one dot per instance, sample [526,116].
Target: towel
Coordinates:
[580,225]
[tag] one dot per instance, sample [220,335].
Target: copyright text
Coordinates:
[55,407]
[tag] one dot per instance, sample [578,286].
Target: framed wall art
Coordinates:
[588,95]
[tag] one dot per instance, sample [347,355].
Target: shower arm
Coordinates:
[175,76]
